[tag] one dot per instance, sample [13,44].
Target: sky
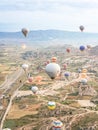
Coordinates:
[48,14]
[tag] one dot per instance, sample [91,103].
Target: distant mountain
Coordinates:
[74,38]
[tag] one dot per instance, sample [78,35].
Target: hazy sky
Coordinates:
[49,14]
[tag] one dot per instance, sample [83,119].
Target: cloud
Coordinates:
[48,14]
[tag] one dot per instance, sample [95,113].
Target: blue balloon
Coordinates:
[66,74]
[82,48]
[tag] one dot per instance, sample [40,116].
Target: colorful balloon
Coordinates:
[51,105]
[53,70]
[57,125]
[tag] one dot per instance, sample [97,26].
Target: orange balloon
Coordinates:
[39,78]
[53,59]
[83,75]
[84,71]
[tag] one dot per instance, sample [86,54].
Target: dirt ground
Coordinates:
[16,113]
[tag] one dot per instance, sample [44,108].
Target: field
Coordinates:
[75,108]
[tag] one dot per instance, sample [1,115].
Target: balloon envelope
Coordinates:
[81,28]
[51,105]
[57,124]
[67,74]
[25,66]
[53,59]
[88,47]
[25,32]
[30,79]
[84,81]
[68,50]
[34,89]
[84,71]
[82,48]
[53,70]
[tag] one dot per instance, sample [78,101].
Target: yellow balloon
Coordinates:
[51,107]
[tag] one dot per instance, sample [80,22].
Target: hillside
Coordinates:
[67,37]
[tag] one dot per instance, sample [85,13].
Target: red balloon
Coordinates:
[68,50]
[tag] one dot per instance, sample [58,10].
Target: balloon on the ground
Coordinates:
[81,28]
[57,125]
[53,70]
[82,48]
[34,89]
[51,105]
[24,31]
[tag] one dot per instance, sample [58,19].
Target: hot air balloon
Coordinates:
[83,75]
[67,74]
[79,70]
[88,47]
[84,70]
[39,78]
[82,48]
[57,125]
[81,28]
[25,32]
[68,50]
[53,70]
[6,129]
[65,66]
[51,105]
[23,46]
[84,81]
[25,67]
[53,59]
[30,79]
[34,89]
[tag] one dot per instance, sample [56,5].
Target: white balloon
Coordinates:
[84,81]
[53,70]
[25,66]
[50,103]
[34,89]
